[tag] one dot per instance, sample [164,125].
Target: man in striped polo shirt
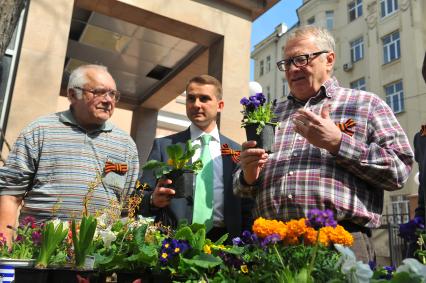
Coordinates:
[66,161]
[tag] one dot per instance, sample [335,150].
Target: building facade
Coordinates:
[380,46]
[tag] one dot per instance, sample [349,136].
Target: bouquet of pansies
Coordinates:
[257,111]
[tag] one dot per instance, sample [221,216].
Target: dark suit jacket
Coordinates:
[419,155]
[237,211]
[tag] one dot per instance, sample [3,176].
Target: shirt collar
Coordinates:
[196,133]
[67,117]
[327,89]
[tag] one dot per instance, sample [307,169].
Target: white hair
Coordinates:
[78,78]
[323,39]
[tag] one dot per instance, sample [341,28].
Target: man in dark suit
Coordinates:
[231,214]
[419,154]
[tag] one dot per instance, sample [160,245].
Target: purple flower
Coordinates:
[408,230]
[321,218]
[36,237]
[270,240]
[172,247]
[28,221]
[261,98]
[2,240]
[237,241]
[244,101]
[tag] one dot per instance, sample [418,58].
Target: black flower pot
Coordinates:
[132,276]
[31,274]
[65,275]
[183,183]
[265,139]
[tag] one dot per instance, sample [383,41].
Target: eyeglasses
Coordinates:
[102,92]
[298,61]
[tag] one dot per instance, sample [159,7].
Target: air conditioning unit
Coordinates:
[347,67]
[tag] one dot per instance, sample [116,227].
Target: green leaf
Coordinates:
[204,261]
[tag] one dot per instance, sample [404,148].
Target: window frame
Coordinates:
[396,93]
[261,68]
[359,84]
[329,20]
[393,46]
[355,8]
[357,45]
[384,7]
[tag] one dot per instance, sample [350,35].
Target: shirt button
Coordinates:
[290,196]
[295,154]
[299,138]
[291,173]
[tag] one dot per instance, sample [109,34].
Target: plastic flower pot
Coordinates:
[31,274]
[265,139]
[183,182]
[65,275]
[8,267]
[131,276]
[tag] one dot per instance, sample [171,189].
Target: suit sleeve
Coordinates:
[419,156]
[149,178]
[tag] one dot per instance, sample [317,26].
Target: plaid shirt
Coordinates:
[299,176]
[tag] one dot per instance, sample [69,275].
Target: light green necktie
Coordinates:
[203,201]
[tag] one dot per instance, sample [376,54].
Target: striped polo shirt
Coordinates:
[54,162]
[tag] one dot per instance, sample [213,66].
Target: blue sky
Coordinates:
[283,11]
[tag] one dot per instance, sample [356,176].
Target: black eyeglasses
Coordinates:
[102,92]
[298,61]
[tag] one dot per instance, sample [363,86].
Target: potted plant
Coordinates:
[258,120]
[23,250]
[178,168]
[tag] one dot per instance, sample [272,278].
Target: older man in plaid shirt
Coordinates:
[336,148]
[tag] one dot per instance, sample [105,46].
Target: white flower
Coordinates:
[58,221]
[102,220]
[356,271]
[107,237]
[412,265]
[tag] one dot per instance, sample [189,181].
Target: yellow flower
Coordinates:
[167,245]
[164,255]
[244,268]
[207,249]
[263,227]
[170,162]
[177,250]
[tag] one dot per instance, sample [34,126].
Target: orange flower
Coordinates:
[263,227]
[338,235]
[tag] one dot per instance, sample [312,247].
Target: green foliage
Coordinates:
[53,234]
[179,159]
[134,248]
[83,241]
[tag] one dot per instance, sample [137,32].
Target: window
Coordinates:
[358,84]
[400,209]
[388,7]
[357,49]
[268,64]
[261,68]
[395,96]
[311,21]
[329,20]
[268,93]
[285,88]
[391,47]
[355,9]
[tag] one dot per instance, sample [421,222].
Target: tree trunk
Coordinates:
[10,10]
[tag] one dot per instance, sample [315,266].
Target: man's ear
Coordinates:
[330,59]
[220,105]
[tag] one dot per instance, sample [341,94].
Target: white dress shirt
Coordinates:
[216,155]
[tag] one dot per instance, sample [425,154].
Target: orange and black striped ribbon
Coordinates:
[423,130]
[345,127]
[115,167]
[235,154]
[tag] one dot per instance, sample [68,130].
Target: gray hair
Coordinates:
[323,39]
[78,77]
